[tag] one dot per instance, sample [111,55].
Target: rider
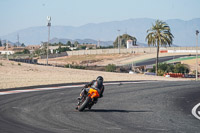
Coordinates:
[95,84]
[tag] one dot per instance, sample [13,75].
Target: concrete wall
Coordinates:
[131,50]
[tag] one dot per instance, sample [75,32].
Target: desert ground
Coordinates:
[14,74]
[103,60]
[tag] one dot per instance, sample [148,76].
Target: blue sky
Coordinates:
[20,14]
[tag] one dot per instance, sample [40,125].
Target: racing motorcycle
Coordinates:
[87,99]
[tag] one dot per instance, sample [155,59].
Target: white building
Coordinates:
[129,44]
[5,51]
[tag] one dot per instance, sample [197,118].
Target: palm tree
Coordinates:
[159,34]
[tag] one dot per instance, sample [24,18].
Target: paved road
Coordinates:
[150,107]
[161,59]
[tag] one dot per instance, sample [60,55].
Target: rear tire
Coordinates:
[84,104]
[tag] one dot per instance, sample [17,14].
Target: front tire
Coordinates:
[84,104]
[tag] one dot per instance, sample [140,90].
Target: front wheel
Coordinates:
[84,104]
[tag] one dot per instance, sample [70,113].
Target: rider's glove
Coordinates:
[86,86]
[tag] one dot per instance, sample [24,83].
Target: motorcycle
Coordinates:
[87,99]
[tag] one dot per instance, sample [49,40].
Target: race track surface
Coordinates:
[161,60]
[151,107]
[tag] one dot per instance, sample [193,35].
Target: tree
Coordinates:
[123,40]
[82,47]
[76,43]
[60,49]
[23,45]
[26,51]
[69,43]
[181,68]
[158,35]
[4,45]
[1,44]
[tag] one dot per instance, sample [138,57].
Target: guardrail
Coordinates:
[30,61]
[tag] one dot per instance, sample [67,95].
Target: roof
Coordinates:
[5,49]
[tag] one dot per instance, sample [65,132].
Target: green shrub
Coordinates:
[194,72]
[161,72]
[74,66]
[1,64]
[19,64]
[181,68]
[166,68]
[110,68]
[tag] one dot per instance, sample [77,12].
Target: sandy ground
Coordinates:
[14,74]
[192,64]
[103,60]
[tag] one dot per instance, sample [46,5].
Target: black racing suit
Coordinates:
[95,85]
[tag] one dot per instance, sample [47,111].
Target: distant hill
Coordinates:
[81,41]
[183,31]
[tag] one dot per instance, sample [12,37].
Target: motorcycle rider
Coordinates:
[95,84]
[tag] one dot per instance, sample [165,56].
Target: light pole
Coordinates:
[197,32]
[7,50]
[119,41]
[49,25]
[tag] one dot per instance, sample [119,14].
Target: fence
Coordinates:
[31,61]
[54,55]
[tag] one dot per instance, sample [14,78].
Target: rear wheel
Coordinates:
[84,104]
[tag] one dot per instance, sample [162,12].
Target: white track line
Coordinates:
[195,112]
[62,87]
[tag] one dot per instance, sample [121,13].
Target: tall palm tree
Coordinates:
[158,35]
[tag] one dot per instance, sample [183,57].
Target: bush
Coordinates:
[74,66]
[1,64]
[194,72]
[110,68]
[166,68]
[181,68]
[161,72]
[19,64]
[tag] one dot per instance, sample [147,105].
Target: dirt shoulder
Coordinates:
[14,74]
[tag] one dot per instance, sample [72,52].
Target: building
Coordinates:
[89,46]
[4,51]
[129,44]
[32,48]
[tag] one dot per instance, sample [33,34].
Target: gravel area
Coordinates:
[14,74]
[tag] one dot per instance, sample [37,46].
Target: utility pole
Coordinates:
[197,32]
[17,40]
[7,49]
[98,44]
[49,25]
[119,41]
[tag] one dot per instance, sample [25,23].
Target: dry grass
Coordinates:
[13,75]
[90,59]
[192,64]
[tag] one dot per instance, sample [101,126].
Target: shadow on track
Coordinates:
[117,110]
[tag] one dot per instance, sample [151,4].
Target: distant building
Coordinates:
[129,44]
[32,48]
[89,46]
[5,51]
[18,49]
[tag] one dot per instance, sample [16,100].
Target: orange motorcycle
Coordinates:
[87,99]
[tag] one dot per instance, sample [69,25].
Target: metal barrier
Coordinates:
[30,61]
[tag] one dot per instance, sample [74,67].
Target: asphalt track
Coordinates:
[140,107]
[161,59]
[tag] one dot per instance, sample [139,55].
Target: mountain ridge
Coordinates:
[183,31]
